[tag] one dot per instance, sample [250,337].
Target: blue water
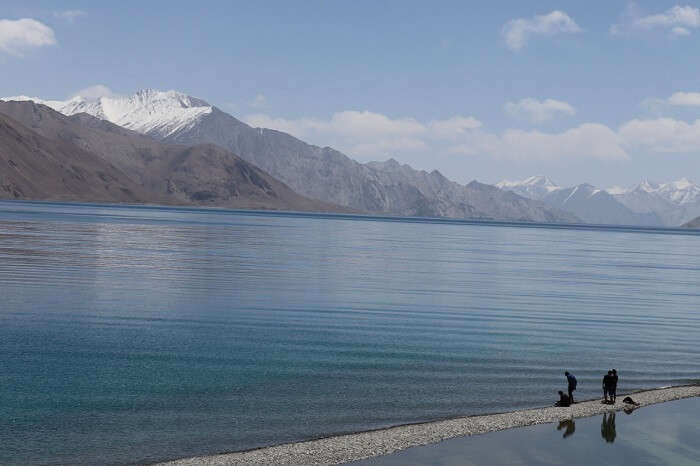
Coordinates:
[132,334]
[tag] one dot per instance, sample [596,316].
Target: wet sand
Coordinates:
[346,448]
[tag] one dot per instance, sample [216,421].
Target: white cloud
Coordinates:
[349,123]
[678,20]
[516,32]
[685,99]
[664,135]
[675,16]
[589,140]
[369,134]
[679,32]
[453,127]
[538,111]
[95,92]
[677,99]
[20,34]
[259,101]
[69,15]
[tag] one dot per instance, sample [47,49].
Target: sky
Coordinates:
[604,92]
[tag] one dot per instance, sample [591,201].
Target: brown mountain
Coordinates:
[35,167]
[51,156]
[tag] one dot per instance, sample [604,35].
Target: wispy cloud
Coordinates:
[368,134]
[659,105]
[517,32]
[677,20]
[537,111]
[21,34]
[69,15]
[259,101]
[664,135]
[589,140]
[677,16]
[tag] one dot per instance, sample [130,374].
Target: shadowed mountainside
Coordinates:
[36,167]
[83,158]
[694,224]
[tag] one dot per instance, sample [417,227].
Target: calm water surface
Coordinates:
[134,334]
[661,435]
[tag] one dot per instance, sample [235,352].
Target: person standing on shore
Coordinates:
[571,381]
[613,386]
[607,385]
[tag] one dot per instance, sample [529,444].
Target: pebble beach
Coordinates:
[352,447]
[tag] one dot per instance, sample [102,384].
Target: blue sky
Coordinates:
[604,92]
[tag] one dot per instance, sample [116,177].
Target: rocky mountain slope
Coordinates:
[315,172]
[53,156]
[36,167]
[592,205]
[695,223]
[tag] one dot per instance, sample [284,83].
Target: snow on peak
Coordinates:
[683,183]
[534,187]
[616,190]
[681,191]
[148,111]
[648,186]
[538,180]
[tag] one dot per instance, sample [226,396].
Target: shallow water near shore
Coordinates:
[665,434]
[131,334]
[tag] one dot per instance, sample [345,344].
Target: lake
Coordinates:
[137,334]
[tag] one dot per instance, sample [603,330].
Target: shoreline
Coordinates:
[362,445]
[368,216]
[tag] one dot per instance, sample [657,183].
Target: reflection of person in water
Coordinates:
[569,425]
[607,428]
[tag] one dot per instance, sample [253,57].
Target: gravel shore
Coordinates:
[351,447]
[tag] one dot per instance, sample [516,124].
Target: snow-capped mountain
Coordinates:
[152,112]
[678,192]
[534,187]
[675,202]
[589,203]
[648,203]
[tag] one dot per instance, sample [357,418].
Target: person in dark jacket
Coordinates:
[607,386]
[571,381]
[613,386]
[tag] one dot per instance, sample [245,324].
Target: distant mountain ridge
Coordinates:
[315,172]
[648,203]
[591,204]
[675,202]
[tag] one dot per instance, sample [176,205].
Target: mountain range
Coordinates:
[647,204]
[47,155]
[168,147]
[314,172]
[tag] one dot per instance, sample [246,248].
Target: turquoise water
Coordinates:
[131,334]
[660,435]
